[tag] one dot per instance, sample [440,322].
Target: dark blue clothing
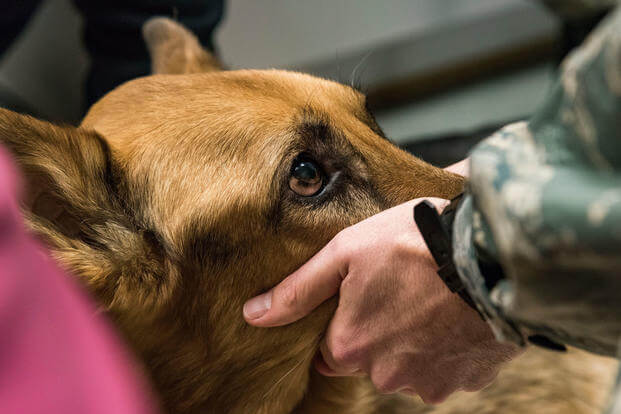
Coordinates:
[112,33]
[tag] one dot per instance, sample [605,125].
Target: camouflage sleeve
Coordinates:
[544,199]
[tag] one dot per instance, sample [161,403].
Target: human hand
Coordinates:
[396,321]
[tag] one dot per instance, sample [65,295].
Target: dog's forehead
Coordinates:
[188,94]
[163,112]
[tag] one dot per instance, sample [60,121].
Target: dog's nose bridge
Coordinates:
[400,176]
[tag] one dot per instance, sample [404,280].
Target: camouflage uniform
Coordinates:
[544,200]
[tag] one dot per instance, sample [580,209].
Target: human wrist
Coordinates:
[436,230]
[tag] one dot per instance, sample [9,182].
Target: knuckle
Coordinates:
[289,295]
[384,388]
[343,356]
[434,397]
[387,383]
[480,382]
[343,245]
[338,243]
[436,393]
[352,283]
[343,351]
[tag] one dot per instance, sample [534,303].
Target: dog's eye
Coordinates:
[306,177]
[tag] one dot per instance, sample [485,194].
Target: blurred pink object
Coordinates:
[57,355]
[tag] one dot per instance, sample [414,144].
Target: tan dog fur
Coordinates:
[171,203]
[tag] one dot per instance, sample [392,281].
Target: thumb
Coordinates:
[301,292]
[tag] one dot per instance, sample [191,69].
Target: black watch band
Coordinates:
[437,231]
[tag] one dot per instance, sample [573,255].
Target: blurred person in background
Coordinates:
[113,33]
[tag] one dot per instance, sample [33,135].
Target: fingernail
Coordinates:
[258,306]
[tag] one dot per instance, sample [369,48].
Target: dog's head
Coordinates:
[185,193]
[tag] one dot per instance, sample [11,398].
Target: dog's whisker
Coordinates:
[352,78]
[338,66]
[273,387]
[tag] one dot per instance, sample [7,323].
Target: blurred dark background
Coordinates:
[440,74]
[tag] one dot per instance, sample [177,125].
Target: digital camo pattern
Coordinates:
[465,260]
[545,199]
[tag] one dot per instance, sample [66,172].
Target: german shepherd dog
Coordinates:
[174,202]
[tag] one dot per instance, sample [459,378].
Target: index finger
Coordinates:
[300,292]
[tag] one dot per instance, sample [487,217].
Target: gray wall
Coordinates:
[385,39]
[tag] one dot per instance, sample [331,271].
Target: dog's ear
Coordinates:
[72,201]
[175,50]
[67,170]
